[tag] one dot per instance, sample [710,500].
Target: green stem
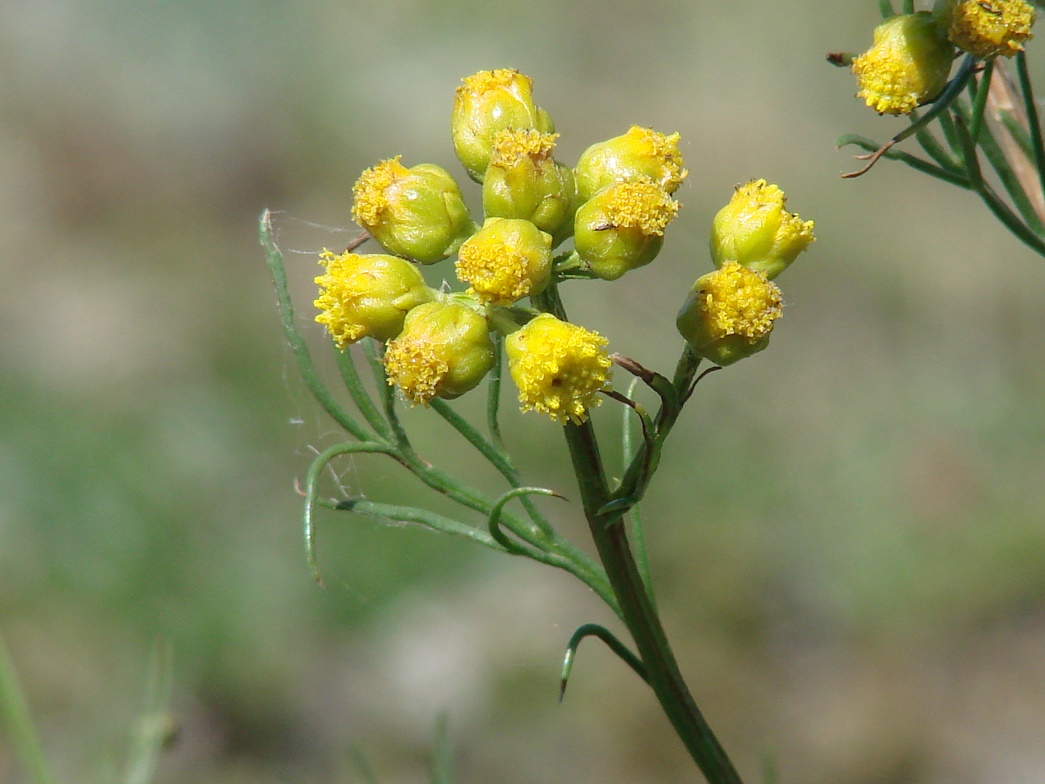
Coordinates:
[493,394]
[979,99]
[990,198]
[1013,186]
[15,714]
[634,514]
[638,613]
[274,258]
[497,458]
[354,384]
[1033,120]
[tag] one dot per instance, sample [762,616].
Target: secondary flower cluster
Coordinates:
[730,312]
[615,204]
[910,60]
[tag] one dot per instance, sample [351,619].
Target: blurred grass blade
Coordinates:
[363,767]
[15,714]
[155,728]
[442,753]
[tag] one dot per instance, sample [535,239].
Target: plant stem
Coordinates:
[638,613]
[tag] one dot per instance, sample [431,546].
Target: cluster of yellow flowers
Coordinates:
[615,205]
[910,60]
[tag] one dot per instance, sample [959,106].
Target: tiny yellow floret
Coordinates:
[524,181]
[559,368]
[621,228]
[506,260]
[640,205]
[730,313]
[443,351]
[757,231]
[639,153]
[367,295]
[485,104]
[417,212]
[907,66]
[510,145]
[986,28]
[739,302]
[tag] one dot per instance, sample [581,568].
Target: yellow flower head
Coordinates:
[730,313]
[524,181]
[506,260]
[367,295]
[640,153]
[558,367]
[489,102]
[907,65]
[443,351]
[621,228]
[755,230]
[417,213]
[986,28]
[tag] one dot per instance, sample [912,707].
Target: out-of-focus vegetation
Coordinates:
[848,532]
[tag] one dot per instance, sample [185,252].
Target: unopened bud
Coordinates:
[367,295]
[485,104]
[641,153]
[417,213]
[506,260]
[907,65]
[621,228]
[524,181]
[729,314]
[755,230]
[443,351]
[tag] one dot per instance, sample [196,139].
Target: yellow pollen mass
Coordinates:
[988,28]
[662,147]
[510,145]
[738,301]
[487,81]
[640,205]
[339,287]
[416,367]
[497,272]
[758,196]
[370,194]
[558,367]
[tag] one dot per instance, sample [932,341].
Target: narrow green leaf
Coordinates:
[302,355]
[155,727]
[14,713]
[615,645]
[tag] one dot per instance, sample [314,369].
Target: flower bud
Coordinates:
[559,368]
[986,28]
[506,260]
[524,181]
[621,228]
[907,66]
[443,351]
[489,102]
[417,213]
[640,153]
[729,314]
[755,230]
[367,295]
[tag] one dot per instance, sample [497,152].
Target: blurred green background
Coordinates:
[848,530]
